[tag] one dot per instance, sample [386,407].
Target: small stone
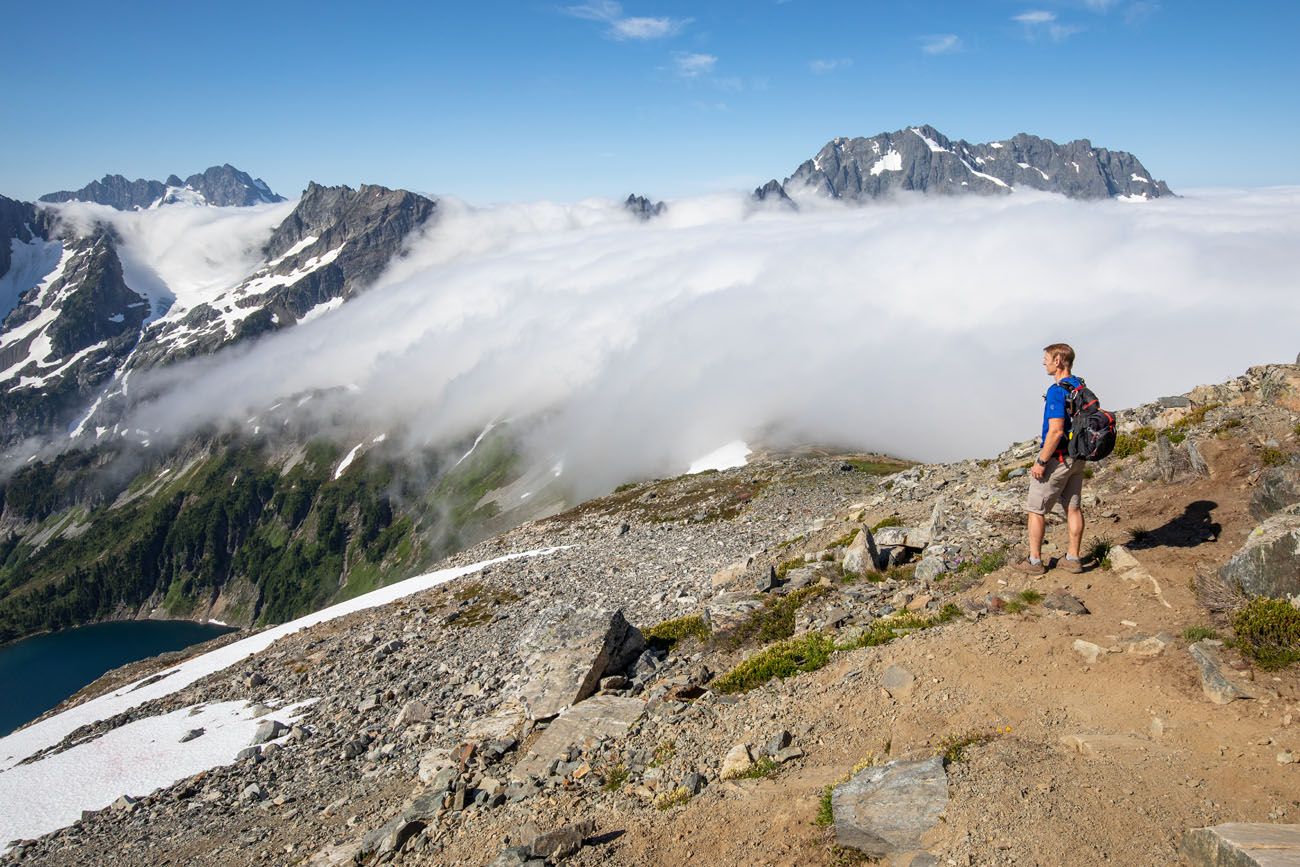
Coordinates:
[788,754]
[254,680]
[693,782]
[898,682]
[1149,647]
[1059,600]
[192,734]
[126,803]
[412,712]
[776,743]
[268,731]
[1286,757]
[737,760]
[1089,651]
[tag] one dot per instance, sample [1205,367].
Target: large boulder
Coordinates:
[1268,564]
[861,556]
[883,812]
[1278,488]
[1243,844]
[598,718]
[577,653]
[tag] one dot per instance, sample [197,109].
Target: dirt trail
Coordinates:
[1157,757]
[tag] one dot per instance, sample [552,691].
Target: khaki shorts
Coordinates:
[1062,481]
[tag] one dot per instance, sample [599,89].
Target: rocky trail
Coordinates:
[813,659]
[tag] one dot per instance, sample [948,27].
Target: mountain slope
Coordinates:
[75,328]
[923,159]
[1069,712]
[220,186]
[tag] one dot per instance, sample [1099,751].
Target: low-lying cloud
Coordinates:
[912,327]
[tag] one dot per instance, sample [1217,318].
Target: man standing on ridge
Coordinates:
[1055,475]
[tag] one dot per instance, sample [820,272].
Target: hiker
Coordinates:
[1055,475]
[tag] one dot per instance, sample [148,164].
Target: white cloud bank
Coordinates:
[911,327]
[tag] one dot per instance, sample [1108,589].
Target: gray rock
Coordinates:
[862,556]
[602,716]
[788,754]
[562,842]
[1177,400]
[884,811]
[412,712]
[125,803]
[1194,457]
[693,782]
[1059,600]
[930,568]
[898,682]
[253,792]
[248,753]
[1268,564]
[1278,488]
[737,760]
[909,537]
[1214,683]
[585,649]
[1243,844]
[776,743]
[268,730]
[192,734]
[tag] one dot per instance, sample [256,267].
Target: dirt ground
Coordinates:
[1084,764]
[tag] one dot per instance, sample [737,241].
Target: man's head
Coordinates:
[1058,359]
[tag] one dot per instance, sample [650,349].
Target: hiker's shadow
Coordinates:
[1193,527]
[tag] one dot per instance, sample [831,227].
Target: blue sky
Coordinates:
[495,101]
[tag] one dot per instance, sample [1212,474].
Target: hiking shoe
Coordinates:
[1029,568]
[1074,567]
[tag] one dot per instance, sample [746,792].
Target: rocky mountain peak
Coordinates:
[643,208]
[921,158]
[221,186]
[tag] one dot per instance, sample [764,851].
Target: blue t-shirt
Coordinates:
[1054,407]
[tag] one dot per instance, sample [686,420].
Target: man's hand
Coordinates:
[1038,471]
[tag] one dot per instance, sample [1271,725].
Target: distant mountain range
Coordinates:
[922,159]
[73,325]
[222,186]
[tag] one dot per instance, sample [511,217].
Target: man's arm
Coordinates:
[1055,430]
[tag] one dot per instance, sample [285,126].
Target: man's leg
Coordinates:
[1074,518]
[1037,525]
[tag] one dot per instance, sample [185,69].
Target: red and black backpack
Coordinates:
[1092,429]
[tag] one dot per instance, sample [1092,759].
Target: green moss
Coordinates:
[1272,457]
[676,798]
[1197,633]
[891,521]
[1098,551]
[846,540]
[805,653]
[1128,444]
[1005,474]
[953,747]
[761,769]
[668,633]
[986,564]
[825,808]
[615,777]
[1268,631]
[784,568]
[775,619]
[877,468]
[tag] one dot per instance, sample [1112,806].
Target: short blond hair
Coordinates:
[1063,353]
